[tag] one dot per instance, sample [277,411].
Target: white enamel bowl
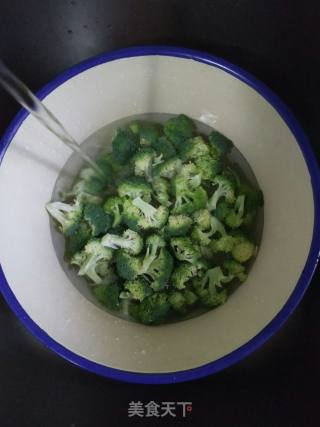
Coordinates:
[170,80]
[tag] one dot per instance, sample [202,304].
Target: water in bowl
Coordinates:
[101,140]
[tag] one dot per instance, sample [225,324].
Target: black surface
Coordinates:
[278,41]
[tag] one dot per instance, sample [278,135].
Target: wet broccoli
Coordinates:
[124,145]
[164,231]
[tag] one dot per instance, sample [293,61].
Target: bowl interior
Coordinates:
[138,85]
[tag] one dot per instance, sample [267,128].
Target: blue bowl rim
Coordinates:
[306,275]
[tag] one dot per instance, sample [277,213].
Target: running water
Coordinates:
[23,95]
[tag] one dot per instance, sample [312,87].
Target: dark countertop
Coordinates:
[278,41]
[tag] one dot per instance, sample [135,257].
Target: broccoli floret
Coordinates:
[190,297]
[161,189]
[203,237]
[135,126]
[183,273]
[108,295]
[143,162]
[178,129]
[131,215]
[135,187]
[178,225]
[202,218]
[164,147]
[153,245]
[152,310]
[124,144]
[235,217]
[220,144]
[210,287]
[224,189]
[128,266]
[181,301]
[214,279]
[178,302]
[149,134]
[67,215]
[194,148]
[130,241]
[243,250]
[160,270]
[191,201]
[93,254]
[97,218]
[223,244]
[86,191]
[208,167]
[222,210]
[137,289]
[76,236]
[234,268]
[114,206]
[157,264]
[185,250]
[214,300]
[187,179]
[167,169]
[253,201]
[151,217]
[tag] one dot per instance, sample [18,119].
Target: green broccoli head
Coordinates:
[178,302]
[65,214]
[187,179]
[178,129]
[93,254]
[113,206]
[178,225]
[243,249]
[131,215]
[194,148]
[153,310]
[224,188]
[76,236]
[130,242]
[185,250]
[161,188]
[234,268]
[164,147]
[182,274]
[222,210]
[167,169]
[208,167]
[128,266]
[149,134]
[97,218]
[253,201]
[150,217]
[108,295]
[135,187]
[222,244]
[210,288]
[124,144]
[137,289]
[135,126]
[191,201]
[202,219]
[143,162]
[220,144]
[160,270]
[201,237]
[234,218]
